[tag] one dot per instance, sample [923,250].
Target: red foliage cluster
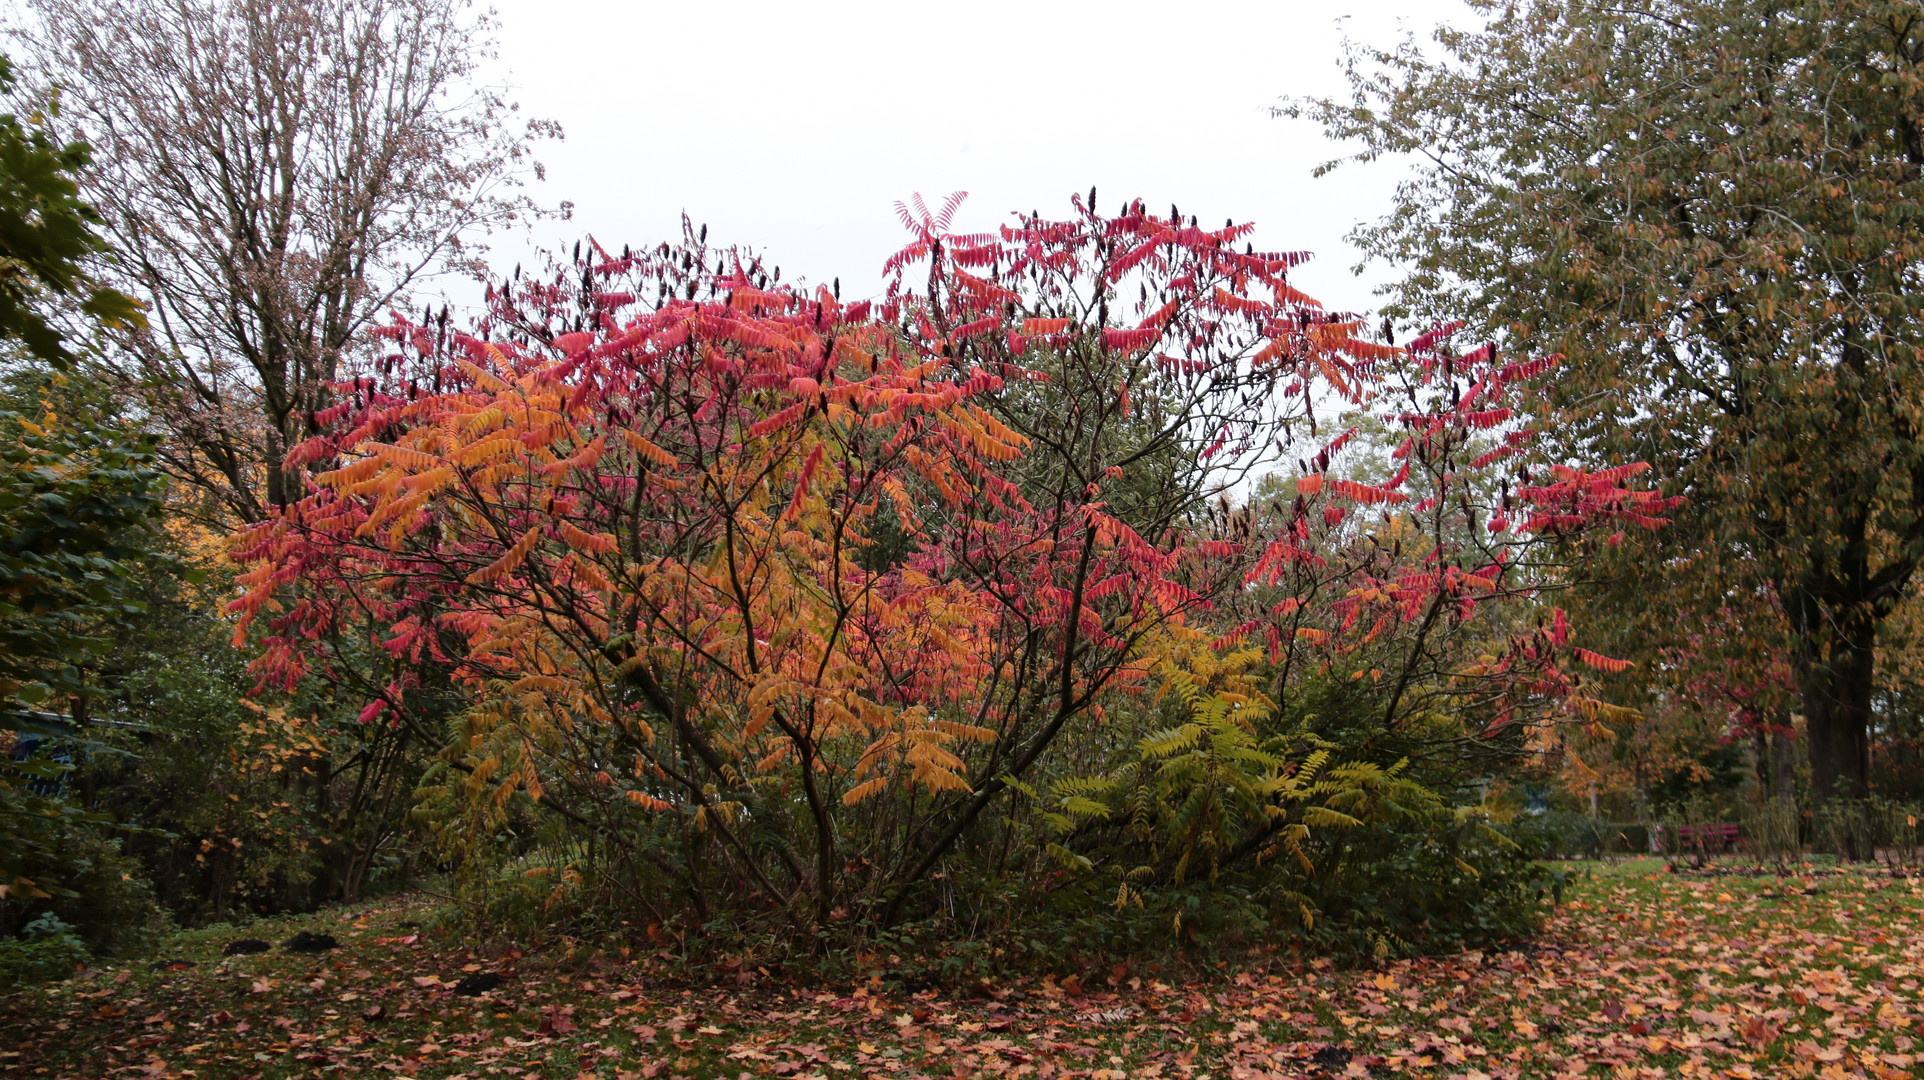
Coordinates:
[900,544]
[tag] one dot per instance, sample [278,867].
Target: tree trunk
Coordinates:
[1837,711]
[1837,714]
[1783,765]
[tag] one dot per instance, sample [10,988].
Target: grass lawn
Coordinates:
[1640,973]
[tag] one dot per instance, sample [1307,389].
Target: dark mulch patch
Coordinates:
[305,942]
[477,984]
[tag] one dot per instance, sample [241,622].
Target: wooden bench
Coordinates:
[1721,837]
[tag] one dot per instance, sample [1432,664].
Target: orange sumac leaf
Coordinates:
[582,540]
[509,560]
[1602,662]
[649,802]
[647,449]
[1364,493]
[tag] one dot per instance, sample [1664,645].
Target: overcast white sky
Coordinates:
[794,127]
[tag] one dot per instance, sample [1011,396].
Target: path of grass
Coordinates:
[1640,974]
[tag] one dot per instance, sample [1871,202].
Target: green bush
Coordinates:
[1771,831]
[46,948]
[1194,824]
[102,894]
[1565,834]
[1867,829]
[1453,881]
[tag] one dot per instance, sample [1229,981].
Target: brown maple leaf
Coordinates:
[1758,1031]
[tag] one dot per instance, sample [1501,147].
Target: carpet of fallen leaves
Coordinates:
[1641,973]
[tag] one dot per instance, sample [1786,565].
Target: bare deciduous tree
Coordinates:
[276,174]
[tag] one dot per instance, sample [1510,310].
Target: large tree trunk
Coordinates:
[1837,684]
[1837,710]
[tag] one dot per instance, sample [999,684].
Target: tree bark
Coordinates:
[1837,683]
[1837,712]
[1783,765]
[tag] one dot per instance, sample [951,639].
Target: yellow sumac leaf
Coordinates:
[838,715]
[647,449]
[590,575]
[936,779]
[429,482]
[585,458]
[482,379]
[486,420]
[405,456]
[389,511]
[543,684]
[350,474]
[488,449]
[971,732]
[401,530]
[864,789]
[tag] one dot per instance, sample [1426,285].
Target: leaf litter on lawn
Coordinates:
[1641,974]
